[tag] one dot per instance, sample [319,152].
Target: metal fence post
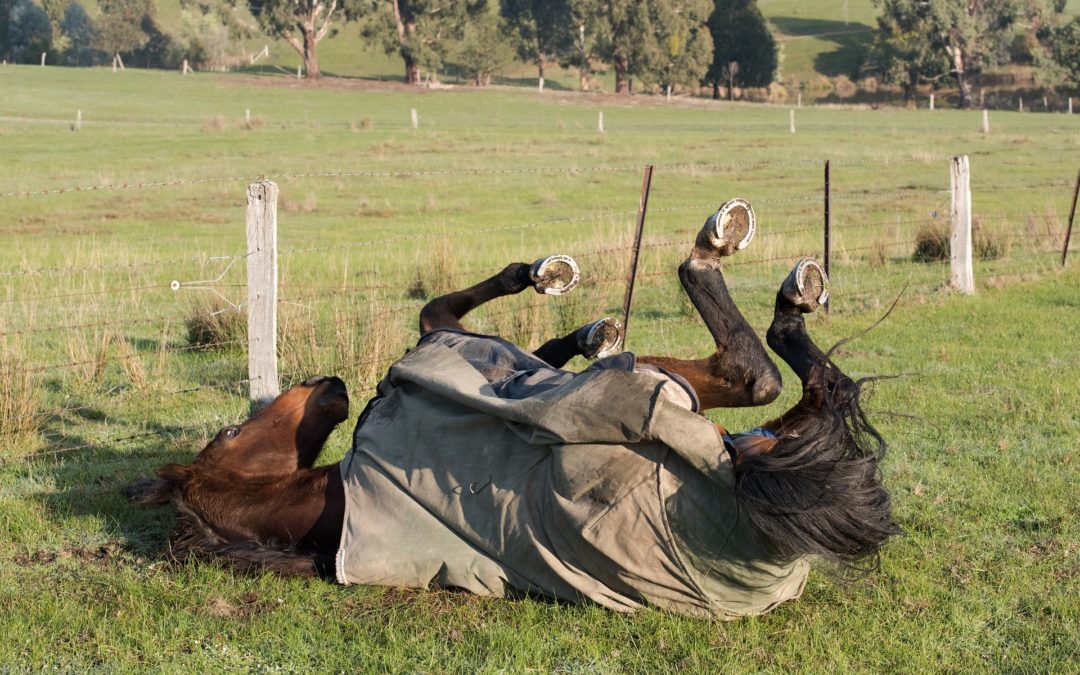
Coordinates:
[262,278]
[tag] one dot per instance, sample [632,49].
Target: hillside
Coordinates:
[819,40]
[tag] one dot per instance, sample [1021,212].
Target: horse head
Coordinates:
[282,438]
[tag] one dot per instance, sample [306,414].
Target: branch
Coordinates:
[325,28]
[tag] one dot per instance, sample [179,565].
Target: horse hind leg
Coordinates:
[594,340]
[553,275]
[802,292]
[739,372]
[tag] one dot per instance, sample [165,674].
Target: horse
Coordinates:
[482,467]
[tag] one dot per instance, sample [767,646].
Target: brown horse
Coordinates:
[805,484]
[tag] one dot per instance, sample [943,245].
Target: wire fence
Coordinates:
[101,347]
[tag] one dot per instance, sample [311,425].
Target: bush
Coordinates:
[931,243]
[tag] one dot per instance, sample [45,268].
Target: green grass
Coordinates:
[983,424]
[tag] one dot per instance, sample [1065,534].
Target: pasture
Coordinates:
[106,372]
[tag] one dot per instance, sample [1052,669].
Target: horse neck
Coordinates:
[303,509]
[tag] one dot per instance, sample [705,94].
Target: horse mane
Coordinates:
[818,491]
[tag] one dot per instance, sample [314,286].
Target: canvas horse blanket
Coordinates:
[480,467]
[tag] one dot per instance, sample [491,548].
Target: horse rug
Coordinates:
[479,467]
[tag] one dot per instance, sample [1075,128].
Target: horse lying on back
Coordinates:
[483,467]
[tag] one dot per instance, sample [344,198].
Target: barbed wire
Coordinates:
[6,371]
[436,173]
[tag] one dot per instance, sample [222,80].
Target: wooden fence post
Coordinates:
[931,101]
[262,277]
[414,118]
[791,120]
[986,121]
[963,278]
[600,122]
[78,120]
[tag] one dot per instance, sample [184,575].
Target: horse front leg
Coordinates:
[738,372]
[553,275]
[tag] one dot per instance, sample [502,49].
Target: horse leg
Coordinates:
[595,340]
[804,289]
[553,275]
[739,372]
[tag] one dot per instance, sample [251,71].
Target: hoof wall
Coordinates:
[555,275]
[807,285]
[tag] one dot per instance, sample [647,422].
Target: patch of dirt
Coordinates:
[246,606]
[100,555]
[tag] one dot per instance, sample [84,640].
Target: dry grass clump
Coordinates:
[215,123]
[20,397]
[253,123]
[436,271]
[89,352]
[931,243]
[214,325]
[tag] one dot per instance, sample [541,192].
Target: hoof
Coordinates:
[600,339]
[731,228]
[806,286]
[555,275]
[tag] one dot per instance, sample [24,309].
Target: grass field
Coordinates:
[101,383]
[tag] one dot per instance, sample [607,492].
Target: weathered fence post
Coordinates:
[963,278]
[1070,105]
[78,120]
[791,120]
[247,115]
[986,121]
[262,278]
[828,247]
[799,100]
[1072,214]
[1021,104]
[600,122]
[43,59]
[931,101]
[415,118]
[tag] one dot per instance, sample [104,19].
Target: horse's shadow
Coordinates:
[90,481]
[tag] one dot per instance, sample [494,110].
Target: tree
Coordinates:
[29,31]
[423,31]
[484,49]
[683,47]
[304,23]
[578,46]
[1064,48]
[901,53]
[538,28]
[81,35]
[120,28]
[744,51]
[970,34]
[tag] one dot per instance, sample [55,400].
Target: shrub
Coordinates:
[931,243]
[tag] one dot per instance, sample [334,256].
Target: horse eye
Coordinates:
[230,432]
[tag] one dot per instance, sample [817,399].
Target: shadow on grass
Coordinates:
[91,478]
[852,40]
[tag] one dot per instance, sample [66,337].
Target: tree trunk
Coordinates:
[716,89]
[962,82]
[622,79]
[731,87]
[540,68]
[412,71]
[311,58]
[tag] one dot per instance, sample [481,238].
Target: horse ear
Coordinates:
[150,491]
[178,473]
